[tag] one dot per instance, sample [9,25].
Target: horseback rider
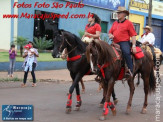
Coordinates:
[120,32]
[92,29]
[148,38]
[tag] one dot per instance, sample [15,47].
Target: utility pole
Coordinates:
[150,13]
[129,7]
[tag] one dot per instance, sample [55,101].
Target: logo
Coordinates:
[17,112]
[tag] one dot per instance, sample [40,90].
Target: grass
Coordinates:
[15,79]
[4,57]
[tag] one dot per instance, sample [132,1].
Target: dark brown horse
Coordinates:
[103,59]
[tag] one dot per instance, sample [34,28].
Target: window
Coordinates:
[45,27]
[104,26]
[137,27]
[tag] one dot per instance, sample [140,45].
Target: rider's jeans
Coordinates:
[126,50]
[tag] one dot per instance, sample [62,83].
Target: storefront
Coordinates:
[139,15]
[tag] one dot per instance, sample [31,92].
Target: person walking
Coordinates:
[26,56]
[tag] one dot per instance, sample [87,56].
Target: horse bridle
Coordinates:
[64,39]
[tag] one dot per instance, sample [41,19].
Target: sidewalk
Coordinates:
[60,75]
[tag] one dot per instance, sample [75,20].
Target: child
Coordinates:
[30,59]
[12,58]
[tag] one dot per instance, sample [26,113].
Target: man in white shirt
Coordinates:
[148,38]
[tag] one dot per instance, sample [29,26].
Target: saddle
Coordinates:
[148,49]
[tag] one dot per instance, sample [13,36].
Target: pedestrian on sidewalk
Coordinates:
[12,59]
[30,51]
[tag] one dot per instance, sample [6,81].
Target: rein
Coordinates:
[102,67]
[69,45]
[66,54]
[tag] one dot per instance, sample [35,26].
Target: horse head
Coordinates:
[59,43]
[99,53]
[92,56]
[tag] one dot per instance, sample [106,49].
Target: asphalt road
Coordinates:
[49,101]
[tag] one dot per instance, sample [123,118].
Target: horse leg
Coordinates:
[146,88]
[79,102]
[76,78]
[114,97]
[69,101]
[108,103]
[132,88]
[138,82]
[83,86]
[104,94]
[102,102]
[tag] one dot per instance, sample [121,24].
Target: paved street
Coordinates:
[49,101]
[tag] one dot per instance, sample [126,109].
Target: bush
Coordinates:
[81,33]
[21,41]
[42,44]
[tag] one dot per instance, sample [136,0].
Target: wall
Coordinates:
[41,66]
[141,9]
[25,26]
[138,19]
[5,24]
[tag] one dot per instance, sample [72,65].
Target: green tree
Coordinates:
[81,33]
[20,41]
[42,44]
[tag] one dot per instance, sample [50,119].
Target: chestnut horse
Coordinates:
[103,59]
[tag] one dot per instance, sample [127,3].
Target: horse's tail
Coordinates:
[152,81]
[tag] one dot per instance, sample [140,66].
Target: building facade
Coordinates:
[29,27]
[139,16]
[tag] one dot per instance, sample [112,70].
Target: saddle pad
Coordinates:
[87,40]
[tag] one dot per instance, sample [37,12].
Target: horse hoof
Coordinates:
[114,112]
[115,102]
[144,111]
[77,108]
[102,118]
[101,105]
[68,110]
[128,111]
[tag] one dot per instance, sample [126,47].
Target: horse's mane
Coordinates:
[72,37]
[106,53]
